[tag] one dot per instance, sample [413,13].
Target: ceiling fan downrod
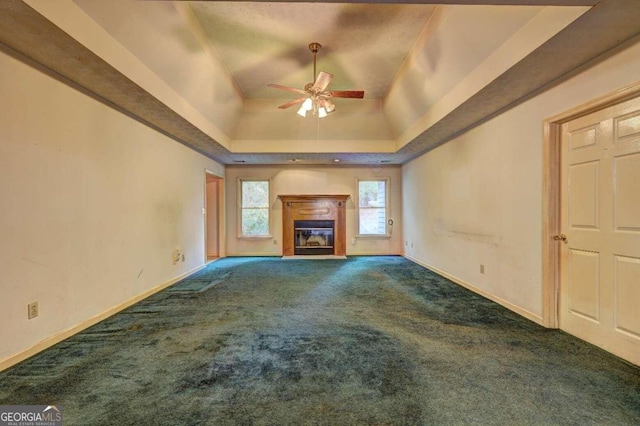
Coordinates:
[314,47]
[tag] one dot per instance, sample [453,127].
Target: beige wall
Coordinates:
[477,199]
[93,204]
[288,180]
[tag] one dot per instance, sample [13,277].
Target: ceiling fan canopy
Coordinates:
[315,96]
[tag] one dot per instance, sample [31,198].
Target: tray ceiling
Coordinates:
[363,45]
[197,70]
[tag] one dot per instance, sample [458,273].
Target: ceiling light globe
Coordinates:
[307,104]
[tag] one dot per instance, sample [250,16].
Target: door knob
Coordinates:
[560,237]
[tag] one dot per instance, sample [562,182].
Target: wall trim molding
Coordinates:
[515,308]
[83,325]
[551,192]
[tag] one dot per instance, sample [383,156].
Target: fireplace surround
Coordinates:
[314,225]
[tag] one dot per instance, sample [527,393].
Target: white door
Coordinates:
[600,259]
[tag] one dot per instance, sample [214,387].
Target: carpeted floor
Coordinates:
[363,341]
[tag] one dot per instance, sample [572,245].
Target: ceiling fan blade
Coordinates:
[292,103]
[290,89]
[359,94]
[322,81]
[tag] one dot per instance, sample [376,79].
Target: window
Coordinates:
[372,207]
[254,208]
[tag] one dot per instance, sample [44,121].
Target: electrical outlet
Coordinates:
[275,242]
[32,310]
[482,269]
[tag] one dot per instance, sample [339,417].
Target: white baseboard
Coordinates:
[59,337]
[515,308]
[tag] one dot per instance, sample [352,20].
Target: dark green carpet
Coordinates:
[363,341]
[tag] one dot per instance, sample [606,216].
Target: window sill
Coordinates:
[373,237]
[255,237]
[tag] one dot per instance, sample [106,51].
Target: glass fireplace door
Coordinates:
[313,237]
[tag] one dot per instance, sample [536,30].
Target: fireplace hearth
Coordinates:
[313,225]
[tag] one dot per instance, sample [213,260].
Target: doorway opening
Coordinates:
[213,201]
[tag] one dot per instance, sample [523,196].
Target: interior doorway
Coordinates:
[213,232]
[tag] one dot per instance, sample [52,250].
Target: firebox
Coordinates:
[313,237]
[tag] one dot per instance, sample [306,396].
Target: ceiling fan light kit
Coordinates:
[315,98]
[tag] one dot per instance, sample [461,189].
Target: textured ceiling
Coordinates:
[81,42]
[363,45]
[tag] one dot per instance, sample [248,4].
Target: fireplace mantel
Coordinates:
[314,207]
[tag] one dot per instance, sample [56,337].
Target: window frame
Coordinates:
[241,208]
[387,208]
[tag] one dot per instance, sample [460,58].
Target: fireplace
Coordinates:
[313,237]
[314,225]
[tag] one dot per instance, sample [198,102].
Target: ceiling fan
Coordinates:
[315,98]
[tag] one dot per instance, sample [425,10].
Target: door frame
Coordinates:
[220,215]
[551,194]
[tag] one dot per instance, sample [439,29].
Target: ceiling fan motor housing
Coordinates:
[314,47]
